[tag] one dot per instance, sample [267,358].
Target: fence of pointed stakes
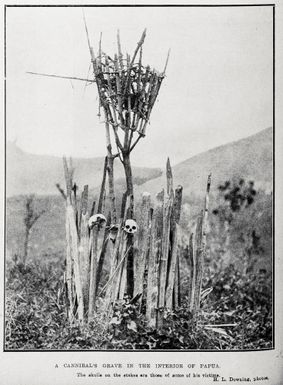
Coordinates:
[142,259]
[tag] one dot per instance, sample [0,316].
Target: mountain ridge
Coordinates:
[249,158]
[37,174]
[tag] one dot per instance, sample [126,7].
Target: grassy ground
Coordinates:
[36,315]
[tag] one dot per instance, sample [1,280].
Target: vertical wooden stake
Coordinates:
[169,178]
[192,272]
[69,269]
[114,250]
[93,270]
[103,251]
[123,275]
[84,246]
[75,256]
[143,243]
[172,269]
[102,188]
[73,275]
[177,293]
[130,265]
[205,215]
[199,264]
[200,241]
[119,290]
[175,218]
[154,260]
[167,211]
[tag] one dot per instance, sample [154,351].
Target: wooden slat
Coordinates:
[69,249]
[143,244]
[103,250]
[155,250]
[130,265]
[200,246]
[102,187]
[75,257]
[69,268]
[120,286]
[205,215]
[177,293]
[167,212]
[174,235]
[82,207]
[192,269]
[84,258]
[171,276]
[199,264]
[93,272]
[123,272]
[169,178]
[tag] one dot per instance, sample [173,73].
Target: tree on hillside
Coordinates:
[236,197]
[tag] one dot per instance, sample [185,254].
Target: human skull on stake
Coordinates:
[97,219]
[131,226]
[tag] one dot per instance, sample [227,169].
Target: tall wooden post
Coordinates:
[200,250]
[73,275]
[143,243]
[155,250]
[175,230]
[199,264]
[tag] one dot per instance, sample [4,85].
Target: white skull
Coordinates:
[130,226]
[97,219]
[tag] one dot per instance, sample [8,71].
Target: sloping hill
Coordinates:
[28,173]
[249,158]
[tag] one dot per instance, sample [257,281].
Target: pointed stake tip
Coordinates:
[143,36]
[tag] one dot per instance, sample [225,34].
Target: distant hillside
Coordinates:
[249,158]
[29,173]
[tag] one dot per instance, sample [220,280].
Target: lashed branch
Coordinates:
[61,76]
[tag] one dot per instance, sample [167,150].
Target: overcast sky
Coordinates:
[218,86]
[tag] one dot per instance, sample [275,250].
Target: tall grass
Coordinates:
[36,315]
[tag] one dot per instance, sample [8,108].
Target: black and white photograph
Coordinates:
[139,184]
